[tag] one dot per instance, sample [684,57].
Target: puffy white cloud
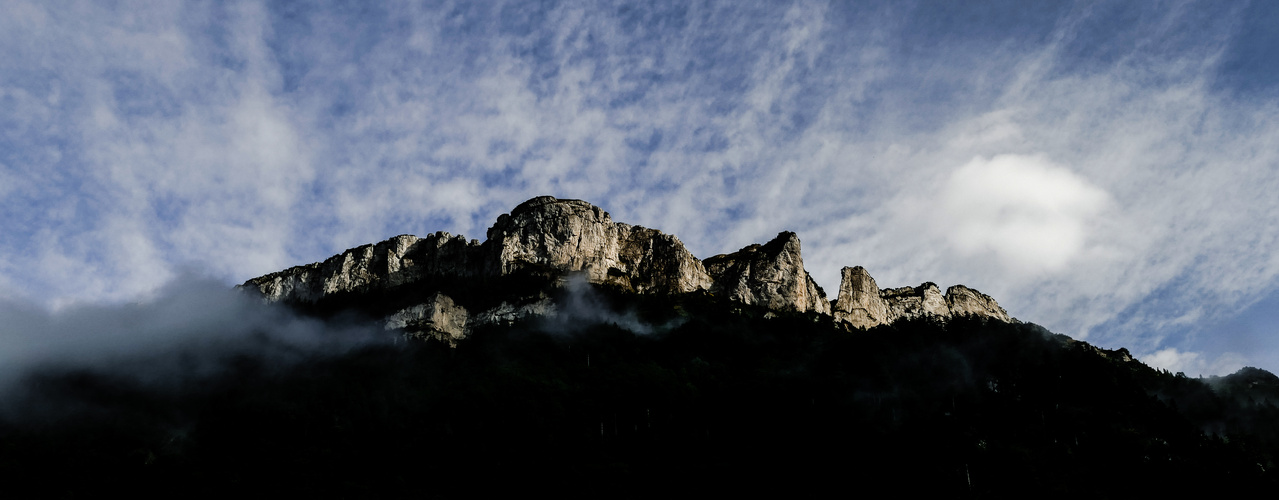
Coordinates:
[1023,211]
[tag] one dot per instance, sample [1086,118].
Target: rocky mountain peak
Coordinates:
[552,236]
[771,275]
[861,303]
[545,238]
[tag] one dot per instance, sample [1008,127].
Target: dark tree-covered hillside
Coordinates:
[718,397]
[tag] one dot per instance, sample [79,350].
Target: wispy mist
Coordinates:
[581,307]
[189,331]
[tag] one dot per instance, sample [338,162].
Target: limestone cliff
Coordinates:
[771,275]
[963,300]
[859,302]
[863,305]
[398,261]
[545,238]
[542,236]
[545,233]
[439,318]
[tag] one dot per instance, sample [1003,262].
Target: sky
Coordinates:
[1105,169]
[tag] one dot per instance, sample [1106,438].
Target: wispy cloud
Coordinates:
[1194,364]
[1105,182]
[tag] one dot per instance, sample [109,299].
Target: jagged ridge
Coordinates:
[547,238]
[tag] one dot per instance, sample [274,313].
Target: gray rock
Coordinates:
[508,313]
[397,261]
[965,301]
[909,302]
[859,302]
[546,234]
[543,235]
[862,305]
[548,238]
[771,275]
[437,318]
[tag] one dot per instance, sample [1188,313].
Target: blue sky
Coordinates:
[1105,169]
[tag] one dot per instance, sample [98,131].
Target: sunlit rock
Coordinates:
[560,236]
[544,239]
[771,275]
[859,302]
[437,318]
[966,301]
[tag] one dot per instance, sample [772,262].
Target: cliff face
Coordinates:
[863,305]
[771,275]
[859,302]
[546,234]
[546,238]
[398,261]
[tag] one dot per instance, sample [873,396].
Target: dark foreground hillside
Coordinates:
[720,400]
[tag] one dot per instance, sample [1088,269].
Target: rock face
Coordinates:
[572,235]
[771,275]
[442,319]
[859,302]
[437,318]
[863,305]
[400,260]
[545,238]
[964,300]
[910,302]
[543,235]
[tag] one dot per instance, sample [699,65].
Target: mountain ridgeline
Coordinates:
[572,355]
[444,286]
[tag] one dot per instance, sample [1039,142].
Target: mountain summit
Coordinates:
[434,286]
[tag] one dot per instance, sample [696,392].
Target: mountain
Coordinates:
[442,285]
[569,354]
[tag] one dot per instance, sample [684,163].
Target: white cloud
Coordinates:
[1194,364]
[1024,211]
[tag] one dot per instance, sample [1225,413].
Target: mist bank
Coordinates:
[189,330]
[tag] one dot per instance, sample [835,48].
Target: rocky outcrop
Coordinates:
[508,313]
[771,275]
[965,301]
[400,260]
[910,302]
[548,234]
[437,318]
[440,318]
[546,238]
[861,304]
